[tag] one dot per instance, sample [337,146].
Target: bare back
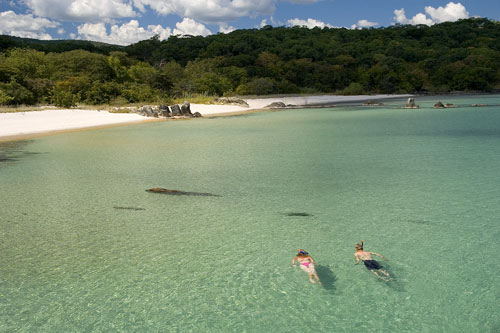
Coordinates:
[363,255]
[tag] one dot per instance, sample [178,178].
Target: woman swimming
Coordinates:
[306,264]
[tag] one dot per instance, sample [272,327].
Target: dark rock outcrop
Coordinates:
[176,110]
[186,109]
[439,105]
[231,101]
[197,115]
[177,192]
[164,111]
[275,105]
[411,104]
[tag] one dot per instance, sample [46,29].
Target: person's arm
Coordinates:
[377,254]
[357,258]
[312,259]
[293,260]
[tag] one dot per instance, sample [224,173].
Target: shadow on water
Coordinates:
[128,208]
[394,283]
[177,192]
[297,214]
[326,276]
[12,151]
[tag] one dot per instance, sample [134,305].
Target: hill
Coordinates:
[451,56]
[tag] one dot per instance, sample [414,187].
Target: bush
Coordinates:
[259,86]
[5,99]
[14,94]
[102,93]
[135,92]
[64,98]
[354,88]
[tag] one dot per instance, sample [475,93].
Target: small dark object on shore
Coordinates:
[298,214]
[276,105]
[373,103]
[129,208]
[177,192]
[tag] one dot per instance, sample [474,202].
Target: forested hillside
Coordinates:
[458,56]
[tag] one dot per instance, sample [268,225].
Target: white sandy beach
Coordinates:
[19,124]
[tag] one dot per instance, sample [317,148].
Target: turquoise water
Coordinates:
[84,248]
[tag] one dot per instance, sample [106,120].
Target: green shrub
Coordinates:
[135,92]
[102,92]
[354,88]
[14,94]
[5,99]
[64,98]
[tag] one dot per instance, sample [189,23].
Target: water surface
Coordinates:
[84,247]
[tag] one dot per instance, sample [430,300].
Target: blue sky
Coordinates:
[128,21]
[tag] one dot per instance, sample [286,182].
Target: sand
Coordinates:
[19,125]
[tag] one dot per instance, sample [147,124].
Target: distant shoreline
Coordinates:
[31,124]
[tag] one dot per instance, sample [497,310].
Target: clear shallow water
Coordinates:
[83,246]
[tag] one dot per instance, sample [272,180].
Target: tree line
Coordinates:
[451,56]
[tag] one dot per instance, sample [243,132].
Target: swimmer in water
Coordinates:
[370,264]
[306,264]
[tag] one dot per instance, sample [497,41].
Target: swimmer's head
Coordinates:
[359,247]
[302,252]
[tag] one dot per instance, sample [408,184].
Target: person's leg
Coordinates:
[384,272]
[310,278]
[375,272]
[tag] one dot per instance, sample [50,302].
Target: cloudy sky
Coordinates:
[128,21]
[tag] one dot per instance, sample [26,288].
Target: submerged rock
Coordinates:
[177,192]
[298,214]
[128,208]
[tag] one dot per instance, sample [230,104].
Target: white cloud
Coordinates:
[191,27]
[224,28]
[126,34]
[209,11]
[25,25]
[364,24]
[82,10]
[309,23]
[204,11]
[451,12]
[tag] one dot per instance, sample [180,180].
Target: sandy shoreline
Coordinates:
[21,125]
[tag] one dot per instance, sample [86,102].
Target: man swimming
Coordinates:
[306,264]
[370,264]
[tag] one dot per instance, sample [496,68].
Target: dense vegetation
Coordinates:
[458,56]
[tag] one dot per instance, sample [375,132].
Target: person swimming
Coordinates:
[370,264]
[306,264]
